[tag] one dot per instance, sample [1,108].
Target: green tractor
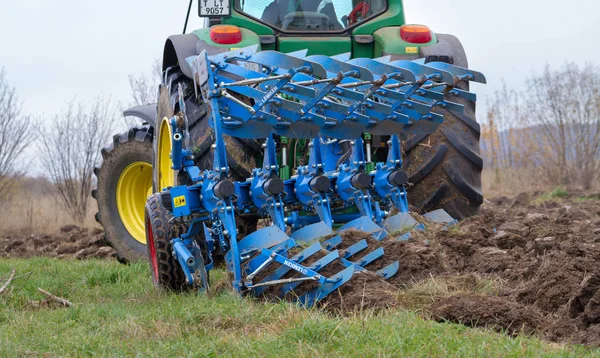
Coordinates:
[444,168]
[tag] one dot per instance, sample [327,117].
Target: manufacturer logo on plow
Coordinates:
[296,267]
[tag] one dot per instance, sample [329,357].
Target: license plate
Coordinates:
[214,8]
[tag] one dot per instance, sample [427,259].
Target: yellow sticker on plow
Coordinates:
[179,201]
[412,50]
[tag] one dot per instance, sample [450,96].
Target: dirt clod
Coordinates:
[365,291]
[69,242]
[489,312]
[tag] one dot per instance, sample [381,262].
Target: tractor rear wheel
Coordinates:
[445,167]
[124,181]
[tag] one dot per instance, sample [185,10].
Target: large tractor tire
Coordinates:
[124,181]
[445,167]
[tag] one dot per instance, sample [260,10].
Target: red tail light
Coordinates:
[225,34]
[416,34]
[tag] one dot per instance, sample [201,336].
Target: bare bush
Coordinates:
[33,209]
[565,105]
[15,131]
[71,147]
[144,89]
[498,134]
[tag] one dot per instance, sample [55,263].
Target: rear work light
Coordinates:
[416,34]
[225,34]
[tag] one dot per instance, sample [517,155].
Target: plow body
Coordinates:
[333,102]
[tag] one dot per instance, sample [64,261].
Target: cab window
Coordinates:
[311,15]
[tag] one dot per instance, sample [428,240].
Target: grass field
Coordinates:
[117,312]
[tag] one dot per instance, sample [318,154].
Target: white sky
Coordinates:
[54,50]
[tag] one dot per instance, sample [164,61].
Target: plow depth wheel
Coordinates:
[166,272]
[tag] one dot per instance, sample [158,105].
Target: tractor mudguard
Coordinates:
[146,113]
[177,49]
[443,47]
[180,47]
[448,45]
[388,42]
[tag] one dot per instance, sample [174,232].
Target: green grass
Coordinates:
[117,312]
[557,193]
[583,199]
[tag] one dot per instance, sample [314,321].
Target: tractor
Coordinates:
[283,122]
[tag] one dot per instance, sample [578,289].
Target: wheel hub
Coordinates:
[133,188]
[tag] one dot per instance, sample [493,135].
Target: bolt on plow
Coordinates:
[331,103]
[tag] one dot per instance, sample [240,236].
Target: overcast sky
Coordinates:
[54,50]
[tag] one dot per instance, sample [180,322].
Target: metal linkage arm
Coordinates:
[267,188]
[390,179]
[312,186]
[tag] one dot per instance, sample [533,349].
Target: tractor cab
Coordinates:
[371,28]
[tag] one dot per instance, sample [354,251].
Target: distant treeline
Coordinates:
[551,131]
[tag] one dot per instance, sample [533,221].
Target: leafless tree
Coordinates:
[15,134]
[506,113]
[70,149]
[144,88]
[565,105]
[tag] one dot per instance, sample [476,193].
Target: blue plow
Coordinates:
[332,101]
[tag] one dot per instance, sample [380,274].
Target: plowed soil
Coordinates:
[69,242]
[542,258]
[525,265]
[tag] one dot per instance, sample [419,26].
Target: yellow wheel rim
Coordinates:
[133,188]
[166,175]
